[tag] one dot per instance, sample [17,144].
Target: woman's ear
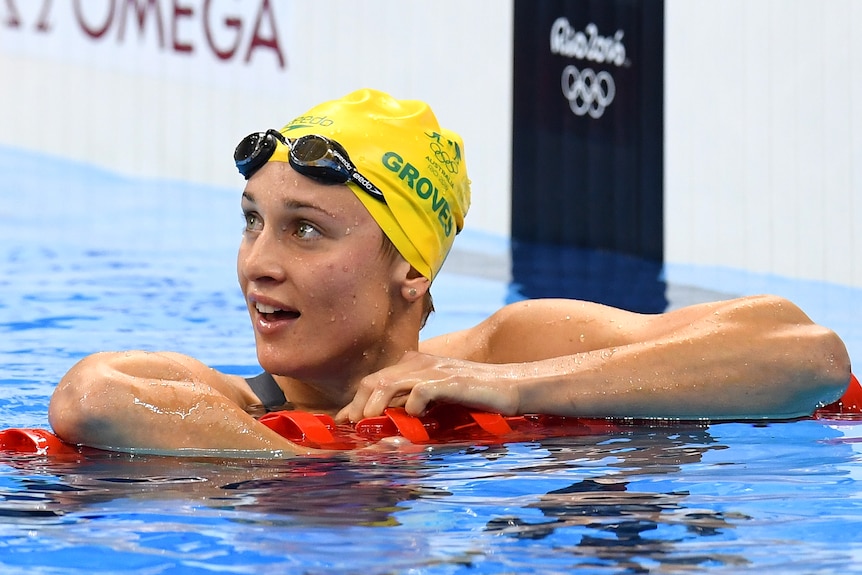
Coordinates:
[415,286]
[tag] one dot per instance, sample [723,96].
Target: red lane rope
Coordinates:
[444,423]
[850,403]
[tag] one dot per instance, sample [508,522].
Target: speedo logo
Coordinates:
[422,187]
[308,121]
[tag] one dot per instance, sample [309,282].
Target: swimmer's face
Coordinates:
[319,289]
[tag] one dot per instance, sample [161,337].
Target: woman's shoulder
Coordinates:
[531,330]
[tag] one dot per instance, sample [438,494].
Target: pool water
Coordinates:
[90,261]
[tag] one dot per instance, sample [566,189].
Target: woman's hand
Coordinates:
[420,379]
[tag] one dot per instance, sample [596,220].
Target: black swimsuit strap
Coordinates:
[267,390]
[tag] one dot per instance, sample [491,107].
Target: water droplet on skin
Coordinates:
[583,338]
[332,319]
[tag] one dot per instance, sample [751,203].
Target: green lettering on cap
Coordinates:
[422,186]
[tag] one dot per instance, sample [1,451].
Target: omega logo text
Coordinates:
[181,27]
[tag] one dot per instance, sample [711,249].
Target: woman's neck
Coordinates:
[329,392]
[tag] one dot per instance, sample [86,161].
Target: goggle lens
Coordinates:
[253,152]
[316,154]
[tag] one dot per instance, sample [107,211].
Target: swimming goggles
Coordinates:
[311,155]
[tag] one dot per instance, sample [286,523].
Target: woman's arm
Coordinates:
[158,402]
[756,357]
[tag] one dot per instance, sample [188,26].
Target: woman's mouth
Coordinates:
[271,313]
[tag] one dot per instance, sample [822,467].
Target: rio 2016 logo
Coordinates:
[587,91]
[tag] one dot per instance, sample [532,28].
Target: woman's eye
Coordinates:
[252,222]
[306,231]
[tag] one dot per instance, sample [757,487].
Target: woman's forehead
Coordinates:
[278,183]
[278,187]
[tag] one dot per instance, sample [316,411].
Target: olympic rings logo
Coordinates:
[442,155]
[588,92]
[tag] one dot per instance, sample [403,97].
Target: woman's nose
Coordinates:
[260,258]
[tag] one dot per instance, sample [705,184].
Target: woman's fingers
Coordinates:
[419,380]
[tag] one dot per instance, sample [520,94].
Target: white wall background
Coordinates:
[763,136]
[763,121]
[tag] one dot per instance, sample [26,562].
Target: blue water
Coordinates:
[91,261]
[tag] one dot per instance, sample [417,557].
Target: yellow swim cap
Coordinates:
[401,148]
